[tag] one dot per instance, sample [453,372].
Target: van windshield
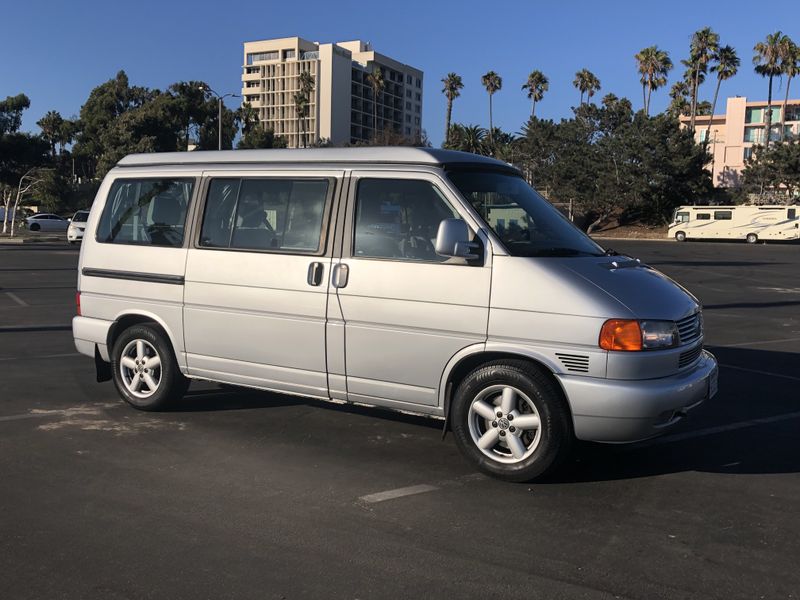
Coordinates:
[526,223]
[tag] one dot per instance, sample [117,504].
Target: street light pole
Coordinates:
[205,88]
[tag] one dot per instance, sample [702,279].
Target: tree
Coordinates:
[768,59]
[790,65]
[775,168]
[493,83]
[587,83]
[451,90]
[680,104]
[704,42]
[654,65]
[306,88]
[377,83]
[51,125]
[536,85]
[11,110]
[468,138]
[726,64]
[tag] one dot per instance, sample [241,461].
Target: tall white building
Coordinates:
[341,107]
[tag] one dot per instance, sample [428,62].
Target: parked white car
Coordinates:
[77,226]
[47,222]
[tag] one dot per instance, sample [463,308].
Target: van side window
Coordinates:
[723,215]
[791,213]
[399,218]
[265,214]
[147,212]
[703,216]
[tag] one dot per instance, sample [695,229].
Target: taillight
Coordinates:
[78,302]
[621,334]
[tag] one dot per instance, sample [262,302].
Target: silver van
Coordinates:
[419,280]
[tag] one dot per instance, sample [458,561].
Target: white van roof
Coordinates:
[367,154]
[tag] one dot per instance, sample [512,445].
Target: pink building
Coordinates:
[732,135]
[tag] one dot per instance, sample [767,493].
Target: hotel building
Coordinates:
[732,135]
[341,106]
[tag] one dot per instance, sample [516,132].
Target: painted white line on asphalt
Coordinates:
[679,437]
[21,417]
[17,299]
[398,493]
[758,372]
[7,358]
[758,343]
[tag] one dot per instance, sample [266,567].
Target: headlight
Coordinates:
[630,335]
[659,334]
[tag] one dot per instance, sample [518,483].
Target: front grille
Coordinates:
[690,329]
[688,357]
[577,363]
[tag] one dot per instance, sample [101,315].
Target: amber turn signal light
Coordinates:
[621,334]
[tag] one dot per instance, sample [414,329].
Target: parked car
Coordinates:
[419,280]
[77,226]
[46,222]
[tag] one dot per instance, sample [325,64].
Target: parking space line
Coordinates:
[40,357]
[679,437]
[757,343]
[21,417]
[759,372]
[398,493]
[17,299]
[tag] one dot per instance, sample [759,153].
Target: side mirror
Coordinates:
[453,239]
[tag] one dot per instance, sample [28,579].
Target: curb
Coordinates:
[28,240]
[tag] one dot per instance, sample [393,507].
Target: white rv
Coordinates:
[750,223]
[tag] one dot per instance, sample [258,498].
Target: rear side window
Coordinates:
[282,215]
[146,212]
[723,215]
[791,213]
[703,216]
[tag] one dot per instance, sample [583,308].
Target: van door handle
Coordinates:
[340,275]
[315,270]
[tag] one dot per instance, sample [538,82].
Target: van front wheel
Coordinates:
[680,236]
[144,368]
[511,421]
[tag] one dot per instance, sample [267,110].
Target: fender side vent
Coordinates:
[577,363]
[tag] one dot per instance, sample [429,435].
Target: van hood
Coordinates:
[646,292]
[592,286]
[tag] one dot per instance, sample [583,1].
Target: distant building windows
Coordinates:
[754,135]
[408,105]
[252,70]
[757,114]
[288,54]
[408,118]
[419,97]
[747,153]
[416,120]
[408,93]
[419,83]
[417,109]
[254,57]
[703,136]
[409,79]
[252,84]
[408,130]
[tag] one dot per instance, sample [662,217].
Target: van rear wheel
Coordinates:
[511,421]
[144,369]
[751,238]
[680,236]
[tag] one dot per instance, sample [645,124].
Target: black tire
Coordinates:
[680,236]
[555,430]
[35,227]
[751,238]
[172,385]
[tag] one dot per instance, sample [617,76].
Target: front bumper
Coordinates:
[74,234]
[608,410]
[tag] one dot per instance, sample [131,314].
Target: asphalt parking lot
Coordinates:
[240,494]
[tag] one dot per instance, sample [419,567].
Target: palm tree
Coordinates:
[587,83]
[726,64]
[654,64]
[704,43]
[791,68]
[300,106]
[306,89]
[469,138]
[452,90]
[768,57]
[536,85]
[492,82]
[51,125]
[377,83]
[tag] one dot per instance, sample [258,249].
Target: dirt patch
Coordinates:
[641,232]
[94,417]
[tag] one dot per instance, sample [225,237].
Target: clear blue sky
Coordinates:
[56,52]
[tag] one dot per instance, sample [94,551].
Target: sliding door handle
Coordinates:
[315,270]
[340,275]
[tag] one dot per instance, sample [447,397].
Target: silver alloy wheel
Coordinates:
[140,367]
[504,424]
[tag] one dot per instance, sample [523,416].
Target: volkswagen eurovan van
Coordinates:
[426,281]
